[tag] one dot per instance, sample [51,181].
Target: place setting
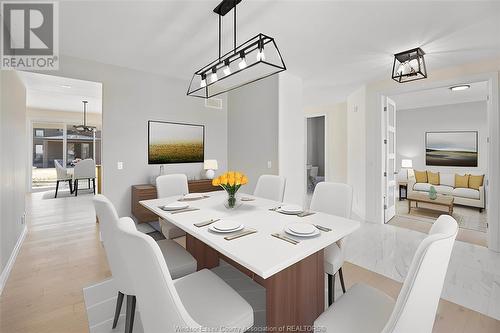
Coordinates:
[292,210]
[193,197]
[302,230]
[178,207]
[219,226]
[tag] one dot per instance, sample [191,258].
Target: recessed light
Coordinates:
[65,86]
[460,87]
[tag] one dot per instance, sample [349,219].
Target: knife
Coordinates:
[286,239]
[205,223]
[320,227]
[241,234]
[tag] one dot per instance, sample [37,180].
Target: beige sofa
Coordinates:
[463,196]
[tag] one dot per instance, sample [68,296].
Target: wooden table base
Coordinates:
[294,296]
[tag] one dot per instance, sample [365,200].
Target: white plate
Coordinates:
[212,228]
[301,228]
[291,209]
[290,232]
[226,225]
[193,196]
[176,206]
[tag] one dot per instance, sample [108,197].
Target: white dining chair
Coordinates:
[190,304]
[415,308]
[313,176]
[333,199]
[84,170]
[168,186]
[270,187]
[179,261]
[63,176]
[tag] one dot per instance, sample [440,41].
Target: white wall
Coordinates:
[336,140]
[253,130]
[411,125]
[12,164]
[356,149]
[130,99]
[292,147]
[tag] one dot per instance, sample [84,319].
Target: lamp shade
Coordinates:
[210,165]
[406,164]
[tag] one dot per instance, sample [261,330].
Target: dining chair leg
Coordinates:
[70,186]
[89,183]
[76,187]
[57,188]
[129,319]
[93,184]
[331,289]
[342,279]
[118,309]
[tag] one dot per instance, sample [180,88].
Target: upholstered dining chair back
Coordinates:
[62,172]
[170,185]
[417,303]
[160,306]
[333,199]
[85,169]
[270,187]
[108,224]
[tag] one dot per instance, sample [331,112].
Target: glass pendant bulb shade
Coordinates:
[260,55]
[243,63]
[214,77]
[227,69]
[203,82]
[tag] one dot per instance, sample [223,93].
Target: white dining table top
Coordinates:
[260,252]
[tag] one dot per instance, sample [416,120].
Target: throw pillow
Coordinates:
[433,178]
[420,176]
[476,182]
[461,181]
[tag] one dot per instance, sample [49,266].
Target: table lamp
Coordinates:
[407,164]
[210,166]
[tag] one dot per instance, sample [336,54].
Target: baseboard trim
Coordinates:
[6,271]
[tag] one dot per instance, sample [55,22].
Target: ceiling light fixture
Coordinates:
[65,86]
[84,128]
[253,64]
[409,66]
[460,87]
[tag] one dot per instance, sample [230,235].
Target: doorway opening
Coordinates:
[436,162]
[315,162]
[54,107]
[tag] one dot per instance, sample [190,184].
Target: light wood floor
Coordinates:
[62,254]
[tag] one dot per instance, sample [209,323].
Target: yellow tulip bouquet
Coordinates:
[231,182]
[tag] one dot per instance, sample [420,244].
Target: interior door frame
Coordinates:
[327,169]
[385,101]
[492,188]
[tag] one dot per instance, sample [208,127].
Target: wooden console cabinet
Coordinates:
[148,191]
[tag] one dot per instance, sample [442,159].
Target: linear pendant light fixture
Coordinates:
[257,58]
[84,127]
[409,66]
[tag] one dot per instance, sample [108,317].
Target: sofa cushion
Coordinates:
[468,193]
[421,176]
[476,182]
[443,189]
[433,177]
[447,179]
[461,181]
[425,187]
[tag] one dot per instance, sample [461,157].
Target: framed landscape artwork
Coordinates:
[175,143]
[457,149]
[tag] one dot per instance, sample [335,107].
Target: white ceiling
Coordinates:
[49,92]
[478,91]
[333,45]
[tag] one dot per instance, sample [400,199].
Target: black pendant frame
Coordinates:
[404,59]
[259,42]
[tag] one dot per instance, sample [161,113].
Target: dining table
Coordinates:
[291,272]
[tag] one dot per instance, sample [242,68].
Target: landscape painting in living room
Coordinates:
[458,149]
[175,143]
